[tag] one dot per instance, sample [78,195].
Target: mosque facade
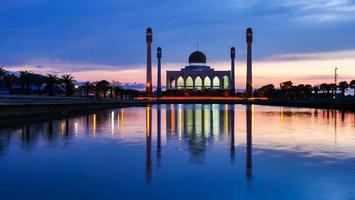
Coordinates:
[198,76]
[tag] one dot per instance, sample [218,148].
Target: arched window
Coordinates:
[225,82]
[198,83]
[172,84]
[207,82]
[180,83]
[216,82]
[189,83]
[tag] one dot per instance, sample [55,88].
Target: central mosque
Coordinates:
[197,76]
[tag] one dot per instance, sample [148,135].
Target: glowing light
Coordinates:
[94,124]
[113,122]
[76,128]
[148,120]
[76,87]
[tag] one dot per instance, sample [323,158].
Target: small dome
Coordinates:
[197,57]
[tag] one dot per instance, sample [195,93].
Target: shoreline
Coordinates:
[16,107]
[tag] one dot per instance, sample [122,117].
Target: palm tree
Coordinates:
[26,79]
[39,80]
[51,81]
[68,80]
[9,79]
[352,86]
[343,86]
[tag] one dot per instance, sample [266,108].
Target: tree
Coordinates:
[9,79]
[26,78]
[308,90]
[39,80]
[286,88]
[2,74]
[102,85]
[343,86]
[325,87]
[68,80]
[87,86]
[51,81]
[266,90]
[316,89]
[352,86]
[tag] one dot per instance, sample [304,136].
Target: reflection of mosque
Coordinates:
[198,125]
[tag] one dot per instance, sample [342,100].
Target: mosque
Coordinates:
[197,75]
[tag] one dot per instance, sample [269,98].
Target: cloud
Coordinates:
[322,10]
[333,55]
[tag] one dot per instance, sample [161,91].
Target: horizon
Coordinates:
[96,40]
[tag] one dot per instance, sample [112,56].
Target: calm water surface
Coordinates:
[182,152]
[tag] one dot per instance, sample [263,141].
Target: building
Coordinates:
[198,76]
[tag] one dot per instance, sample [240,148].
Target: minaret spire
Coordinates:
[249,85]
[159,52]
[232,75]
[149,40]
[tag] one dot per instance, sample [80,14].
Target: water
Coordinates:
[181,152]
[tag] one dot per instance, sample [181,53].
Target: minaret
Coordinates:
[149,39]
[249,86]
[159,71]
[232,75]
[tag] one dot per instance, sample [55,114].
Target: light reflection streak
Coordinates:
[94,124]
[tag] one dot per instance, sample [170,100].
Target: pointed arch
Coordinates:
[207,82]
[180,82]
[198,83]
[216,83]
[225,82]
[189,83]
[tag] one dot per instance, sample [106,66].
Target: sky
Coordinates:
[298,40]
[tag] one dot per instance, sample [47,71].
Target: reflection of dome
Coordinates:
[197,57]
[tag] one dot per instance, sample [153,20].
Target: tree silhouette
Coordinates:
[286,88]
[102,85]
[9,79]
[51,81]
[2,74]
[26,78]
[343,86]
[68,80]
[352,86]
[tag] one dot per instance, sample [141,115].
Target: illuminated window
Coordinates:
[216,82]
[226,82]
[198,83]
[180,83]
[207,82]
[172,83]
[189,83]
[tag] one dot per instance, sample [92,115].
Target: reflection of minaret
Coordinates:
[232,132]
[232,75]
[159,71]
[249,116]
[158,134]
[148,143]
[249,86]
[149,40]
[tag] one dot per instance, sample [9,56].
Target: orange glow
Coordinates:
[94,124]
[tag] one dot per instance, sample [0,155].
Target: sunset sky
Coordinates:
[297,40]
